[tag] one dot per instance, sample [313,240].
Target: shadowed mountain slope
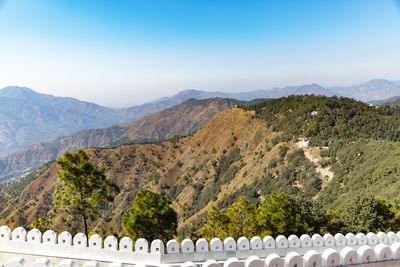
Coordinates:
[185,118]
[27,117]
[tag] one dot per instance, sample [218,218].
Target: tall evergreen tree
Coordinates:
[217,224]
[242,219]
[83,187]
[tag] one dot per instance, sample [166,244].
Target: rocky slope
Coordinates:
[185,118]
[234,153]
[217,160]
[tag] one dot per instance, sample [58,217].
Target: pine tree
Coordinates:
[150,217]
[278,215]
[239,220]
[217,224]
[242,219]
[83,187]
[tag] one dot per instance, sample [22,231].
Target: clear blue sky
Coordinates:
[128,52]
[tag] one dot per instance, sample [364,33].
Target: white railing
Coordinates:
[281,251]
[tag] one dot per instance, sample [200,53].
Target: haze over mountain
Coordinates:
[391,101]
[28,117]
[185,118]
[377,89]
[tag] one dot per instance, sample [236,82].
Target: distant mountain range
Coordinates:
[185,118]
[28,117]
[373,90]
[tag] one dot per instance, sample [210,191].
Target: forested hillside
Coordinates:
[323,118]
[327,150]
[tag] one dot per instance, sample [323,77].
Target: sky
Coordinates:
[121,53]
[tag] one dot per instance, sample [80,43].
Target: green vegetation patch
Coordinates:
[321,118]
[364,166]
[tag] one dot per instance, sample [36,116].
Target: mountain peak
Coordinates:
[376,82]
[315,85]
[17,92]
[192,93]
[189,91]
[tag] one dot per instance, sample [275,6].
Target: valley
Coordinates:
[185,118]
[244,151]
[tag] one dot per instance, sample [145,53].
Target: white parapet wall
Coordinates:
[21,248]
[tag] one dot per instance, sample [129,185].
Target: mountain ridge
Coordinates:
[246,151]
[28,117]
[187,117]
[367,91]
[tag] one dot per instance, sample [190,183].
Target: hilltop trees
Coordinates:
[83,187]
[282,214]
[276,214]
[150,217]
[335,117]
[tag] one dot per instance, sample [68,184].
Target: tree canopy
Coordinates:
[282,214]
[334,117]
[83,187]
[150,217]
[278,215]
[239,220]
[366,213]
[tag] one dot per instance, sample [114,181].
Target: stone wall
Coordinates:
[21,248]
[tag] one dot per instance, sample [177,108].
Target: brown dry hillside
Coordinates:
[234,151]
[185,118]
